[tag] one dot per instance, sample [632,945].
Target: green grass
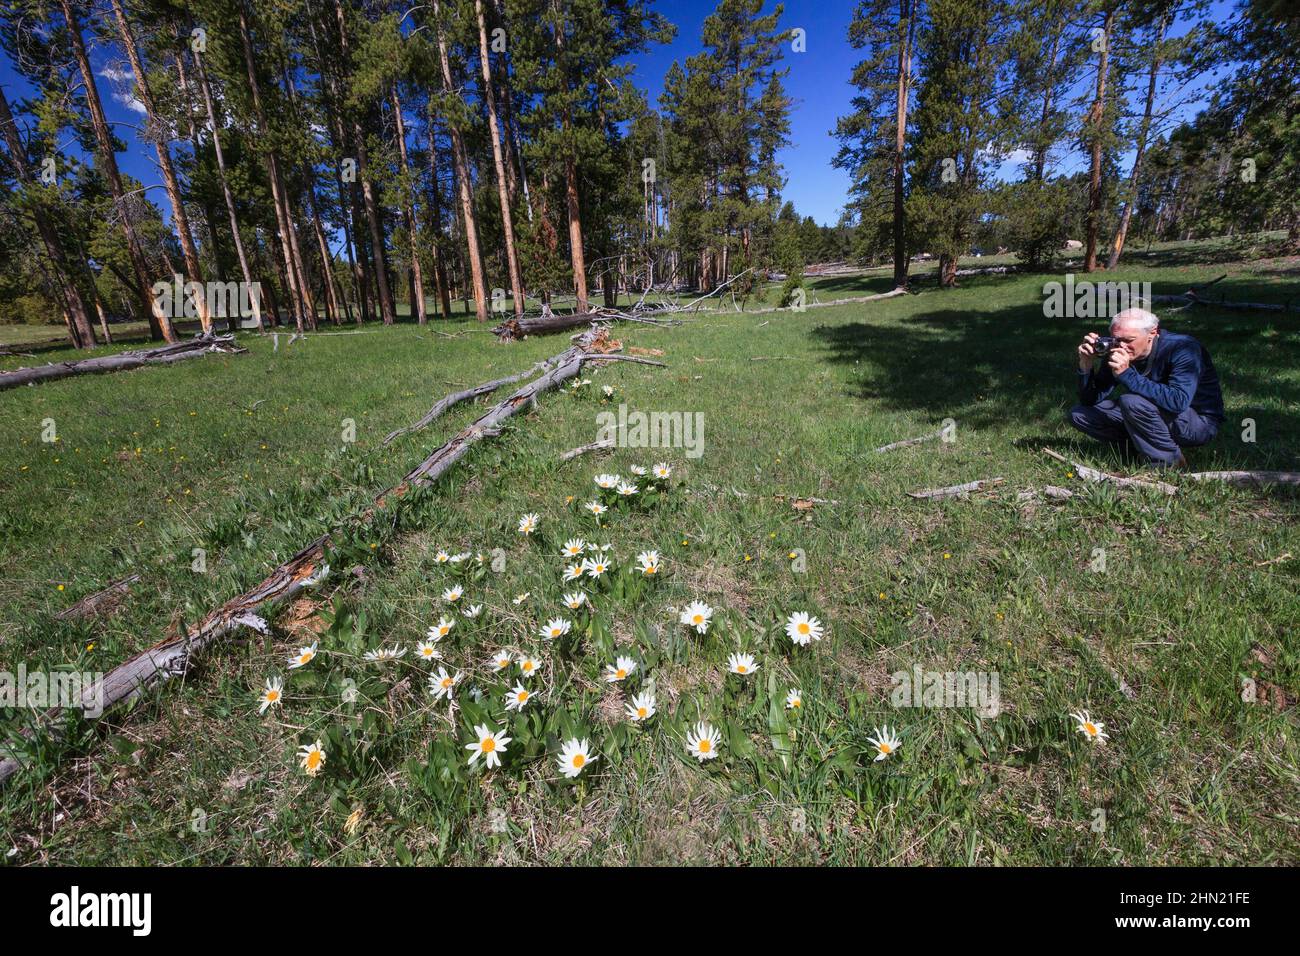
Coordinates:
[793,403]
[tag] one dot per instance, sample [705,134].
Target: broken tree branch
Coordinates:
[455,398]
[573,453]
[1249,477]
[1092,474]
[955,491]
[910,441]
[122,361]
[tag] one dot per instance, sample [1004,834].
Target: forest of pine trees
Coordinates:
[358,159]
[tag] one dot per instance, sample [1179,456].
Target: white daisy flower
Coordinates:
[311,758]
[443,684]
[886,742]
[607,481]
[626,489]
[574,571]
[574,755]
[489,746]
[607,391]
[274,694]
[575,599]
[453,594]
[794,700]
[442,557]
[595,567]
[1094,731]
[501,661]
[639,471]
[741,664]
[304,656]
[642,707]
[596,508]
[458,558]
[648,561]
[518,697]
[702,742]
[428,650]
[474,610]
[555,627]
[803,628]
[440,630]
[573,547]
[529,666]
[697,614]
[384,654]
[528,523]
[520,598]
[621,669]
[662,471]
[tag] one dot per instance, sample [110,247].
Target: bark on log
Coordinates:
[122,361]
[455,398]
[910,441]
[173,656]
[1249,477]
[91,604]
[953,491]
[573,453]
[1092,474]
[512,329]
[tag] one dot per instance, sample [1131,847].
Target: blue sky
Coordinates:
[818,83]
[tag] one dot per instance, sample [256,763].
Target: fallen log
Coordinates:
[173,656]
[1249,477]
[1092,474]
[910,441]
[122,361]
[103,600]
[455,398]
[955,491]
[573,453]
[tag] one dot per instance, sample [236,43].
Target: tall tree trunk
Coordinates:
[408,215]
[368,194]
[223,175]
[435,228]
[194,272]
[80,331]
[906,30]
[160,324]
[1117,247]
[461,163]
[284,224]
[571,203]
[503,192]
[1096,117]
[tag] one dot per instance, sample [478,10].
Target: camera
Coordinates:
[1106,343]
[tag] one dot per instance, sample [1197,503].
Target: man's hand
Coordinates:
[1118,361]
[1087,351]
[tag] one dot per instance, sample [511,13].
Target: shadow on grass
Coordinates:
[1009,367]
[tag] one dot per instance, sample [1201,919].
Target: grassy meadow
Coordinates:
[244,457]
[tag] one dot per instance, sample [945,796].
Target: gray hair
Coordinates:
[1146,321]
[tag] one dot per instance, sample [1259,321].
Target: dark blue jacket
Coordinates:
[1176,374]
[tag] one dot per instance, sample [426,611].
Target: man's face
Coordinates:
[1136,341]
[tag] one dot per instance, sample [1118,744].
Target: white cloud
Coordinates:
[130,102]
[115,75]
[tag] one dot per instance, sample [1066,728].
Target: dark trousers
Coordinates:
[1156,434]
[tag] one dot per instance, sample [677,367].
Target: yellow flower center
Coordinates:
[528,665]
[578,761]
[313,760]
[488,745]
[796,703]
[272,696]
[1090,729]
[886,749]
[740,668]
[620,673]
[523,696]
[803,627]
[697,619]
[304,658]
[640,712]
[650,569]
[446,683]
[705,745]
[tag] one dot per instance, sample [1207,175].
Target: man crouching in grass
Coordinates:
[1171,398]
